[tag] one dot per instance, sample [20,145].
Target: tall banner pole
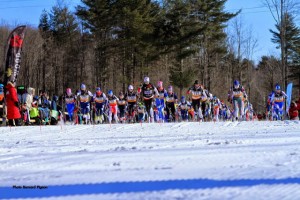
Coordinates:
[13,54]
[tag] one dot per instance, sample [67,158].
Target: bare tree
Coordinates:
[279,10]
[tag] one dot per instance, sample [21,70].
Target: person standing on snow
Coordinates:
[84,98]
[160,101]
[113,106]
[236,96]
[171,99]
[99,101]
[70,103]
[131,98]
[197,93]
[294,111]
[278,103]
[12,104]
[148,91]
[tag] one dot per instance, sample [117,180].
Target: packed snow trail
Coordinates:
[225,160]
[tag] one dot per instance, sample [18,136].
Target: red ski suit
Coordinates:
[11,97]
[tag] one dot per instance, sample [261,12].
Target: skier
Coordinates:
[141,110]
[197,93]
[184,107]
[84,98]
[12,103]
[70,103]
[148,91]
[269,106]
[171,99]
[99,101]
[236,96]
[113,106]
[278,103]
[160,101]
[216,108]
[131,98]
[205,102]
[122,107]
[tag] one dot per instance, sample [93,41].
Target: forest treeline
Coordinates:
[112,44]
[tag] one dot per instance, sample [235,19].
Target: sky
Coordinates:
[254,15]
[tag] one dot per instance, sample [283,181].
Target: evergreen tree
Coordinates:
[292,47]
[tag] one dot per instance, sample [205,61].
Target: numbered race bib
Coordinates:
[99,99]
[69,100]
[170,99]
[237,94]
[84,99]
[196,94]
[279,99]
[131,99]
[122,102]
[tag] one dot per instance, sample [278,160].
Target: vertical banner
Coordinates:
[289,89]
[13,54]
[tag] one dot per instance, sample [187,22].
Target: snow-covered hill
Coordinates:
[224,160]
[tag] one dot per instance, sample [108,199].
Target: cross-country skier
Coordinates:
[184,107]
[113,106]
[84,98]
[131,98]
[171,99]
[148,92]
[196,92]
[278,103]
[237,96]
[99,100]
[70,103]
[122,107]
[160,101]
[216,108]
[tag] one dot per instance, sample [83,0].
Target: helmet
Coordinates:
[146,80]
[214,97]
[98,89]
[121,93]
[130,87]
[277,87]
[1,85]
[236,83]
[68,91]
[82,86]
[159,84]
[182,99]
[196,82]
[170,88]
[110,93]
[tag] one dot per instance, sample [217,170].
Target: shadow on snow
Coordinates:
[140,186]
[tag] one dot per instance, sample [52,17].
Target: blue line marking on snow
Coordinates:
[140,186]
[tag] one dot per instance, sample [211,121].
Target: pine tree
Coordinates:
[292,47]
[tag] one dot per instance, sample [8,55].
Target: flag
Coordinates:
[289,91]
[13,54]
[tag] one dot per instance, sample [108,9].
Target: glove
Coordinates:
[17,104]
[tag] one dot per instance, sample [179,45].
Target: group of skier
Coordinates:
[147,103]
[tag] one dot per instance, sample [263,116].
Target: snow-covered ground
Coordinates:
[224,160]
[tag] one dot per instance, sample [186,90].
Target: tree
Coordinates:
[280,10]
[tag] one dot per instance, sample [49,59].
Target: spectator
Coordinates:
[12,103]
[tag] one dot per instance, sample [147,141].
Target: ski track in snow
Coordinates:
[207,160]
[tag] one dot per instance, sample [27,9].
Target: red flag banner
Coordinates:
[13,54]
